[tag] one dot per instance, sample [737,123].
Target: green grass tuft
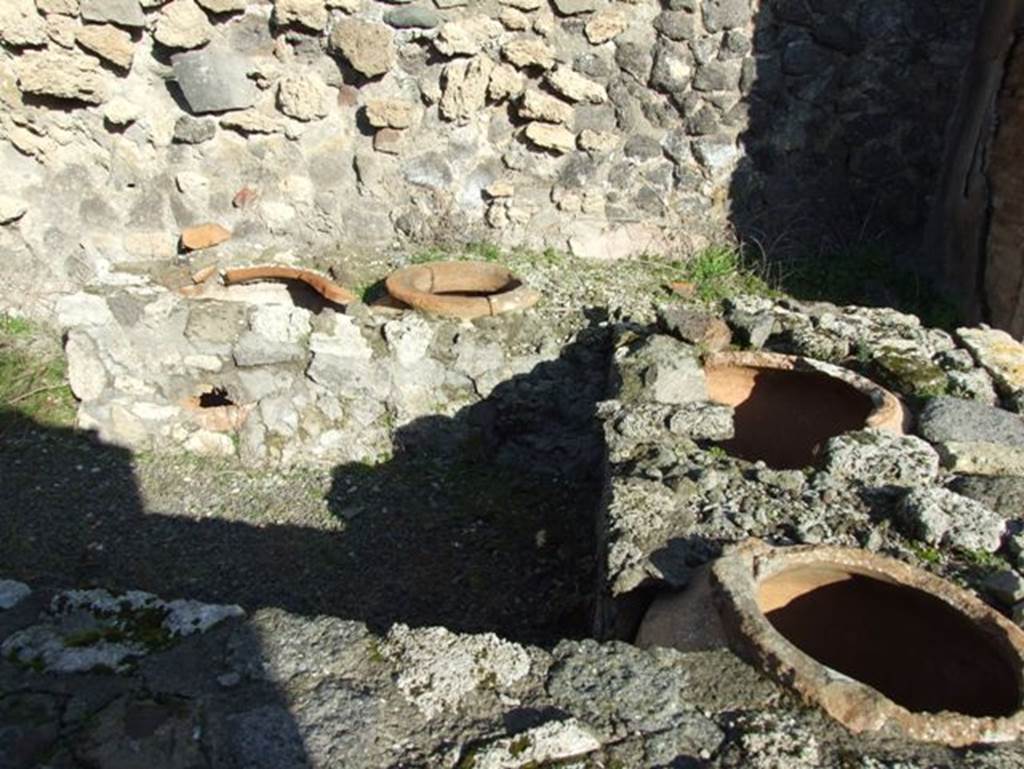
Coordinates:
[926,553]
[720,271]
[33,376]
[430,255]
[984,561]
[487,252]
[11,326]
[481,251]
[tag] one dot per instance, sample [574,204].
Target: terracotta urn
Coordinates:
[787,406]
[880,645]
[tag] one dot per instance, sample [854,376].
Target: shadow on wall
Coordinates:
[848,105]
[974,238]
[480,522]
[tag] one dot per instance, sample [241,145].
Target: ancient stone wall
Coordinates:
[974,236]
[319,127]
[844,120]
[246,372]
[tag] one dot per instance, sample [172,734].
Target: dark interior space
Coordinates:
[909,645]
[785,417]
[847,110]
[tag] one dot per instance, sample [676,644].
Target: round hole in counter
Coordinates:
[879,645]
[911,646]
[787,407]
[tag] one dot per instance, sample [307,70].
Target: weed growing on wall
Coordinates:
[720,271]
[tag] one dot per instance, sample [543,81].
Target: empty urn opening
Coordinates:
[508,285]
[911,646]
[214,398]
[782,416]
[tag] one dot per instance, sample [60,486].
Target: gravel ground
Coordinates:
[469,546]
[416,539]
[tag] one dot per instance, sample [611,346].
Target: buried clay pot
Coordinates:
[264,277]
[460,289]
[212,409]
[880,645]
[786,406]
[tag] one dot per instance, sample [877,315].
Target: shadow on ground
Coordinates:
[479,522]
[483,521]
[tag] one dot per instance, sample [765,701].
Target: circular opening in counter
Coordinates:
[460,289]
[786,407]
[911,646]
[879,645]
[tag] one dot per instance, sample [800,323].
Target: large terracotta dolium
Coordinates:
[787,406]
[878,644]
